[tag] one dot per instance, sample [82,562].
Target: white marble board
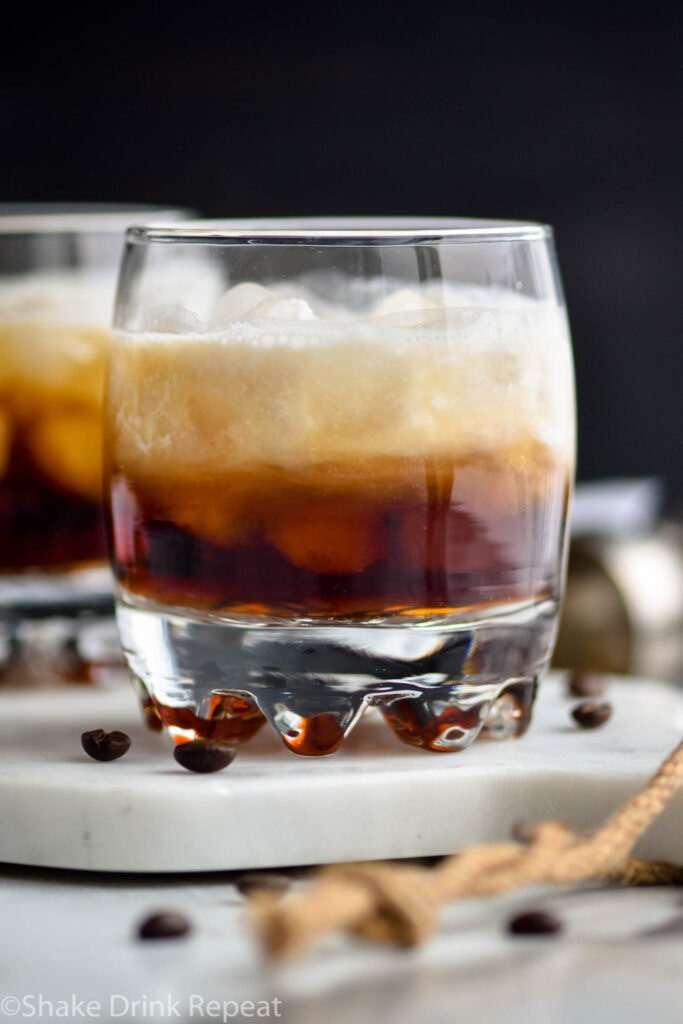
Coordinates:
[376,798]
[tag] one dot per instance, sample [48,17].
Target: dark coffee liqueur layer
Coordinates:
[51,389]
[411,536]
[44,525]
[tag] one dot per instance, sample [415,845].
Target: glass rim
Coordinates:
[340,231]
[80,218]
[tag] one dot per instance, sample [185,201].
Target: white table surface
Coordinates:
[68,935]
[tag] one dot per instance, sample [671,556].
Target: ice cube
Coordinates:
[250,301]
[67,446]
[329,537]
[405,300]
[239,302]
[201,509]
[286,309]
[41,360]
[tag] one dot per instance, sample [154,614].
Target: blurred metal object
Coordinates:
[623,609]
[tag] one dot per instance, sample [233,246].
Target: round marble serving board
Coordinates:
[375,798]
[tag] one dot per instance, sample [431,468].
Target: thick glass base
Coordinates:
[438,685]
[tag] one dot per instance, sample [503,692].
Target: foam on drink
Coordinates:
[423,374]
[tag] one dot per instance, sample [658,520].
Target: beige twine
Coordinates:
[399,903]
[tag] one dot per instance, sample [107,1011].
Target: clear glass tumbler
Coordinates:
[58,268]
[339,460]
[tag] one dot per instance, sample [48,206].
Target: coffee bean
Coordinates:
[586,684]
[521,831]
[105,746]
[591,714]
[204,755]
[262,881]
[534,922]
[168,924]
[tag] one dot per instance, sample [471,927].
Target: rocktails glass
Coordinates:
[339,460]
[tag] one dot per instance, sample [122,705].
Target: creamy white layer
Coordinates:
[280,378]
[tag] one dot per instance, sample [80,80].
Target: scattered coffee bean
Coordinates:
[586,684]
[591,714]
[262,881]
[204,755]
[521,831]
[168,924]
[534,922]
[105,746]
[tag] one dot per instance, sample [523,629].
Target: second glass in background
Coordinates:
[58,267]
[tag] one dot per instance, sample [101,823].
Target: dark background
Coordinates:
[570,116]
